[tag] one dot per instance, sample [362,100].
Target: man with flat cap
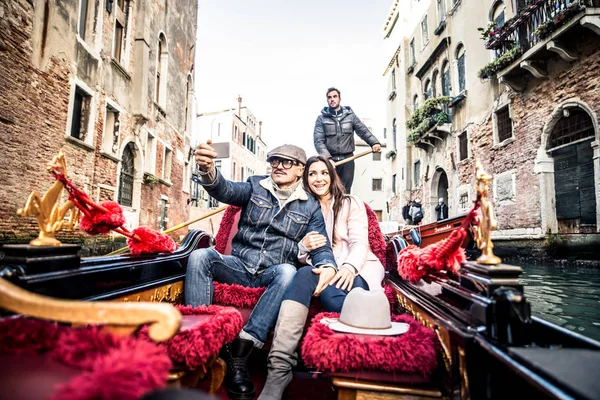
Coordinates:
[276,214]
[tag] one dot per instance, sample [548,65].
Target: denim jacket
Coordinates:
[267,234]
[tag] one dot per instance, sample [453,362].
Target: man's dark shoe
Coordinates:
[239,385]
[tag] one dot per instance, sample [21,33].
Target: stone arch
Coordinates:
[132,212]
[439,181]
[544,165]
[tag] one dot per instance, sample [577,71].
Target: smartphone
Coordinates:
[222,149]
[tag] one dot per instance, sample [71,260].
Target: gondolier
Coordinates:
[334,135]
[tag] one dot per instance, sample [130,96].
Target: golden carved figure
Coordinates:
[486,219]
[49,215]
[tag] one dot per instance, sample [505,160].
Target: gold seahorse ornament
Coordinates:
[49,214]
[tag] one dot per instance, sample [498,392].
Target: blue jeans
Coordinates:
[206,265]
[305,282]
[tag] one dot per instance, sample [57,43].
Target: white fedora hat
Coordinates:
[367,312]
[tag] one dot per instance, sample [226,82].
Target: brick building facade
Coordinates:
[108,82]
[525,101]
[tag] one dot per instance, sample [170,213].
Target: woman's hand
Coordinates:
[344,279]
[325,275]
[313,240]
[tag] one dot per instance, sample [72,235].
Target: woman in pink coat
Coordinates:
[347,230]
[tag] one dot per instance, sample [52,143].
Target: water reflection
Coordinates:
[566,296]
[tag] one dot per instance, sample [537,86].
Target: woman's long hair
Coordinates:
[336,188]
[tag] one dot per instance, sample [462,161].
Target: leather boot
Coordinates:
[283,356]
[238,382]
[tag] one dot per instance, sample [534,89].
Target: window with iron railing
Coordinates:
[504,124]
[126,178]
[574,125]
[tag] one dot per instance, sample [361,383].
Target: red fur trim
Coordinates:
[150,242]
[409,264]
[225,228]
[376,240]
[27,336]
[101,223]
[193,347]
[412,352]
[236,295]
[390,293]
[445,255]
[113,367]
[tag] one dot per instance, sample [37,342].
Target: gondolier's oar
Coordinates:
[354,157]
[222,208]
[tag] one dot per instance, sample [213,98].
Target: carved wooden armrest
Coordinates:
[164,320]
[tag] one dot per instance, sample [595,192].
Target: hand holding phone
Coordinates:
[222,149]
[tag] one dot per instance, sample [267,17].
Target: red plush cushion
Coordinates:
[376,240]
[204,330]
[108,366]
[236,295]
[330,351]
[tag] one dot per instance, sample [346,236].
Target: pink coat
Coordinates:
[352,241]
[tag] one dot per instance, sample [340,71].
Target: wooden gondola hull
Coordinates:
[114,277]
[433,232]
[482,322]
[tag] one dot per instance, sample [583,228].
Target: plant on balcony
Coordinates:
[545,29]
[391,154]
[489,32]
[427,116]
[500,63]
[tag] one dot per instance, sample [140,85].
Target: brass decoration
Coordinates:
[486,219]
[422,317]
[462,366]
[50,216]
[171,293]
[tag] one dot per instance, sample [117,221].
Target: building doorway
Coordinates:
[570,144]
[439,189]
[442,190]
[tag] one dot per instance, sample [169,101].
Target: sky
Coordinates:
[282,55]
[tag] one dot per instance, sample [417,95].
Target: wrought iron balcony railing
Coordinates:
[533,23]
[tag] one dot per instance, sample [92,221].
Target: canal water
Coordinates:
[568,296]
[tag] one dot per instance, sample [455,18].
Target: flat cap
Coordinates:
[288,152]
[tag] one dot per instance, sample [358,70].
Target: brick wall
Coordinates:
[531,110]
[34,110]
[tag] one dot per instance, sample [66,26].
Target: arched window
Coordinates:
[427,90]
[434,79]
[126,178]
[415,102]
[497,13]
[460,67]
[574,126]
[446,78]
[162,67]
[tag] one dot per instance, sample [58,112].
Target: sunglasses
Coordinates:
[285,164]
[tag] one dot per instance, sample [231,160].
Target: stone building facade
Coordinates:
[109,82]
[521,94]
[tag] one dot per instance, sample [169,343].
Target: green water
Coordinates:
[565,295]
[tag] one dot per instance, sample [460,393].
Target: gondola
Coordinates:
[490,345]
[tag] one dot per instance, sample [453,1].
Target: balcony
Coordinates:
[430,123]
[539,31]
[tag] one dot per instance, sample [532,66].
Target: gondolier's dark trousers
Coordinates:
[345,171]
